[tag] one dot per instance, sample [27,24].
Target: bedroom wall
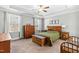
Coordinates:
[70,20]
[77,24]
[25,19]
[2,21]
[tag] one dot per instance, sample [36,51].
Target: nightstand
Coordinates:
[64,35]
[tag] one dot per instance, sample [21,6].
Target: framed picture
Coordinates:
[54,22]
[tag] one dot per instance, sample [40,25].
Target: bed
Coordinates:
[53,33]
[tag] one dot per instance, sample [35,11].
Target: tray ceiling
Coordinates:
[33,9]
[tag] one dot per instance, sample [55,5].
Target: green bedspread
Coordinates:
[53,35]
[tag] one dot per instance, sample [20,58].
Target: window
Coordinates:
[46,22]
[14,23]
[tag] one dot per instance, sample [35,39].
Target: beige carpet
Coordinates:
[27,46]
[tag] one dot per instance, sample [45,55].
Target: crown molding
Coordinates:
[10,10]
[61,13]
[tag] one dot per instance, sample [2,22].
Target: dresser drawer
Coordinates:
[65,35]
[5,47]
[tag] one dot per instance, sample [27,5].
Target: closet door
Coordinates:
[2,21]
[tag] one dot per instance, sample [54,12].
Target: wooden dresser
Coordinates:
[4,43]
[28,31]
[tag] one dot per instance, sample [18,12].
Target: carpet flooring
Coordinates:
[27,46]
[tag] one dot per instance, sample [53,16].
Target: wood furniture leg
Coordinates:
[43,42]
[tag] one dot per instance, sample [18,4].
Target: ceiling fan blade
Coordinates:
[45,10]
[46,7]
[43,6]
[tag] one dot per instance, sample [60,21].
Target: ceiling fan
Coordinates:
[43,8]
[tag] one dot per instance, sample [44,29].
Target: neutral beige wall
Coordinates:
[1,21]
[71,20]
[27,20]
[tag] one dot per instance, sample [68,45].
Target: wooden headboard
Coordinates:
[55,28]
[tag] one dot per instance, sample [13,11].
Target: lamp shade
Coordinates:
[63,26]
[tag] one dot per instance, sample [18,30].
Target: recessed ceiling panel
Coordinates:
[33,9]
